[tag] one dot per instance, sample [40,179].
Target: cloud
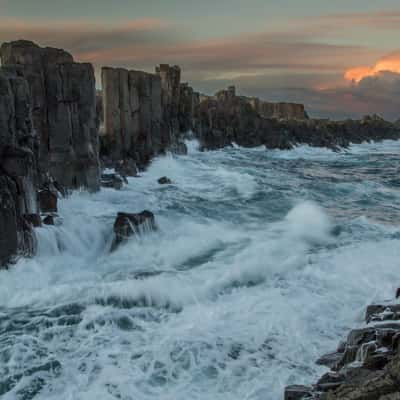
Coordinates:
[389,63]
[296,63]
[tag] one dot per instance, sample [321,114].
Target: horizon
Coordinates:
[339,60]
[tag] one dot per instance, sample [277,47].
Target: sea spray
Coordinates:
[244,285]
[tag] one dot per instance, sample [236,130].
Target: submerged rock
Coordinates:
[127,225]
[164,181]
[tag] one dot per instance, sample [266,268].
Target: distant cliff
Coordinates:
[226,118]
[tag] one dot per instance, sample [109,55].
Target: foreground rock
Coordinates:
[366,366]
[18,167]
[63,100]
[127,225]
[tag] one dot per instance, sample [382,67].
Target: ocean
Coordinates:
[262,262]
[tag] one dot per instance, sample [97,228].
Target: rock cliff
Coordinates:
[63,98]
[226,118]
[19,173]
[141,112]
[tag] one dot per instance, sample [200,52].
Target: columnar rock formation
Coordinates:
[278,110]
[64,111]
[226,118]
[132,114]
[18,167]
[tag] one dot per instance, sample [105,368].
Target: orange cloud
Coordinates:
[390,63]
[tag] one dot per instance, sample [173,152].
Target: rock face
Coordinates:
[132,114]
[366,366]
[63,109]
[277,110]
[227,118]
[18,167]
[141,113]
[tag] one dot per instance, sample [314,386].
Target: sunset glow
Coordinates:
[389,63]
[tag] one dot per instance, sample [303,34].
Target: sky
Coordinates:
[341,58]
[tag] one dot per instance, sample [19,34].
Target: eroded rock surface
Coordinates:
[18,167]
[63,99]
[367,366]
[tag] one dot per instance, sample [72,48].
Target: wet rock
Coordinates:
[113,181]
[164,181]
[297,392]
[330,360]
[370,365]
[127,225]
[126,167]
[48,201]
[382,312]
[48,220]
[33,219]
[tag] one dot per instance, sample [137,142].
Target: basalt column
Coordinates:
[64,111]
[132,114]
[171,106]
[18,167]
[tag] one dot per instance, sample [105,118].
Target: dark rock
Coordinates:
[132,115]
[330,360]
[397,293]
[381,312]
[164,181]
[64,111]
[114,181]
[297,392]
[18,167]
[127,225]
[48,201]
[126,167]
[33,219]
[48,220]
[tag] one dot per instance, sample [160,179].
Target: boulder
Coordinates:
[48,220]
[164,181]
[128,224]
[113,181]
[382,312]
